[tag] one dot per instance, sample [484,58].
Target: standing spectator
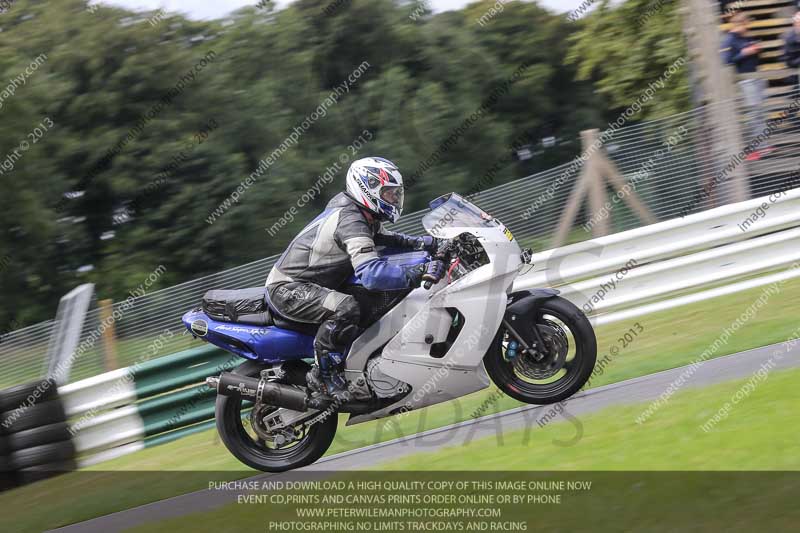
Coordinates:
[738,49]
[742,52]
[791,44]
[791,56]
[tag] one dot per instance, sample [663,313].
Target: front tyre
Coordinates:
[550,375]
[234,424]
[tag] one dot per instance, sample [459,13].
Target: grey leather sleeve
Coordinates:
[355,236]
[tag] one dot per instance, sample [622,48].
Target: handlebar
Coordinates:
[443,254]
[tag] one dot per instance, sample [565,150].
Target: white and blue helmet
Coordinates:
[376,184]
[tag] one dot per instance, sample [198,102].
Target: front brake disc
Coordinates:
[557,346]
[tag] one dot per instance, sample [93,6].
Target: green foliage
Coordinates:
[625,47]
[107,68]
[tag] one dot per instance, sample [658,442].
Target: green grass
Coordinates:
[760,433]
[670,339]
[757,435]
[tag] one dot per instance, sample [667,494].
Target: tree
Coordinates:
[125,181]
[624,48]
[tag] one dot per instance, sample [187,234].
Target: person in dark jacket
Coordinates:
[791,55]
[738,48]
[743,52]
[791,44]
[340,242]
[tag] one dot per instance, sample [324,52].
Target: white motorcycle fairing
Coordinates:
[404,337]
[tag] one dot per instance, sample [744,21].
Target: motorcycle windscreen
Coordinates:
[453,211]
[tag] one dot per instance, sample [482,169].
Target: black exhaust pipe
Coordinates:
[256,389]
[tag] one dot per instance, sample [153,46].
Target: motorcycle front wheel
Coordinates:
[235,427]
[551,373]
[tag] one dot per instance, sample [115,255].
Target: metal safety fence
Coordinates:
[663,169]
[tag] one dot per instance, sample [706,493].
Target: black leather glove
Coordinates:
[429,244]
[434,272]
[426,243]
[409,242]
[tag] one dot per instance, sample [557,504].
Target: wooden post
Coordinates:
[717,85]
[571,211]
[597,191]
[597,173]
[109,336]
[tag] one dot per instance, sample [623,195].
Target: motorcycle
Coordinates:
[418,347]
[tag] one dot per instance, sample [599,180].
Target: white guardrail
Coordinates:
[677,262]
[653,268]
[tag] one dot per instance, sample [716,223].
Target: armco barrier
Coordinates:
[672,238]
[671,263]
[148,403]
[673,258]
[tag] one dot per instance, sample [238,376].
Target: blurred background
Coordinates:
[108,193]
[153,150]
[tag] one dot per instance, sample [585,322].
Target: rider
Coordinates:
[302,285]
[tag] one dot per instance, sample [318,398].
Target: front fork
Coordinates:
[523,309]
[537,348]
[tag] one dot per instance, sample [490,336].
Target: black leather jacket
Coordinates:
[791,49]
[340,241]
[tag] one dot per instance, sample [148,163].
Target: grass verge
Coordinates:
[756,436]
[669,339]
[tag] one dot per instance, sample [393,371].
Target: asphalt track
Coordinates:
[638,390]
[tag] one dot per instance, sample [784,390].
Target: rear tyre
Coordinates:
[551,375]
[256,452]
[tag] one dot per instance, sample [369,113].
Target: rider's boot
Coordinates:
[325,376]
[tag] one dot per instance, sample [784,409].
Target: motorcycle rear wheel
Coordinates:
[572,352]
[255,452]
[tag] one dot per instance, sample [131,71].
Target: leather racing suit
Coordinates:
[340,241]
